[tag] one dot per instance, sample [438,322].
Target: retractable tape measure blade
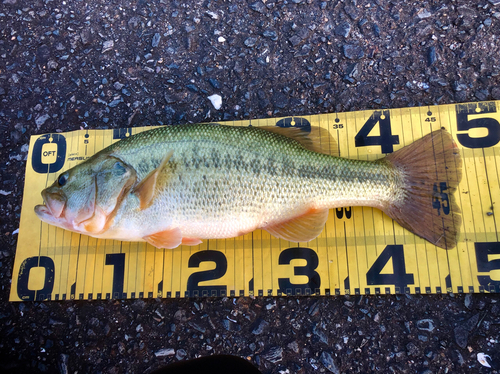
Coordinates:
[360,251]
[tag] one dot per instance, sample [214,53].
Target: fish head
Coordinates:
[85,198]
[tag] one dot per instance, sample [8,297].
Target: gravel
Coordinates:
[96,64]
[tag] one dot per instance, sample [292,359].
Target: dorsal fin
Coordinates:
[146,188]
[317,140]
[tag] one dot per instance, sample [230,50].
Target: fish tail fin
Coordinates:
[430,170]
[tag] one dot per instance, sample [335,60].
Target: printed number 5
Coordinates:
[485,265]
[465,124]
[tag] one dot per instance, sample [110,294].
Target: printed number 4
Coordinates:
[399,277]
[440,198]
[386,140]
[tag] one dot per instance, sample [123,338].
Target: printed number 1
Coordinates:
[118,262]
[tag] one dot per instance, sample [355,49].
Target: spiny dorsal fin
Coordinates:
[146,188]
[303,228]
[317,140]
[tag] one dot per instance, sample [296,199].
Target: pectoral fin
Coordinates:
[146,188]
[303,228]
[165,239]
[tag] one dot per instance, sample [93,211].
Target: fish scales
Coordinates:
[218,175]
[180,184]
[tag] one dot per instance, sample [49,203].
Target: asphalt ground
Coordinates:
[96,64]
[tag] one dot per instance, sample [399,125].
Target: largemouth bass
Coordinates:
[181,184]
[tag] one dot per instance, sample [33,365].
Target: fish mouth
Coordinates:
[53,205]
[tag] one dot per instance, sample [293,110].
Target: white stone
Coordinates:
[165,352]
[216,101]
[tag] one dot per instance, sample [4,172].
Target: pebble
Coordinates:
[271,34]
[260,327]
[483,359]
[327,360]
[320,334]
[165,352]
[343,29]
[280,100]
[39,121]
[251,41]
[63,363]
[114,103]
[353,52]
[423,13]
[216,101]
[412,349]
[107,46]
[258,6]
[275,354]
[156,40]
[431,55]
[425,325]
[461,336]
[214,83]
[181,354]
[294,346]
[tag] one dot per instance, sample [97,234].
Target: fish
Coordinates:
[180,185]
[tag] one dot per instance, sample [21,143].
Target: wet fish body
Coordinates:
[182,184]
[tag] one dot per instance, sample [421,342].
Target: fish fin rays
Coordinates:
[317,139]
[146,188]
[432,170]
[169,239]
[191,241]
[303,228]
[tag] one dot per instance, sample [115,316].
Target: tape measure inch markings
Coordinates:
[360,251]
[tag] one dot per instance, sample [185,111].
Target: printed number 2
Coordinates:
[399,278]
[386,140]
[193,283]
[485,265]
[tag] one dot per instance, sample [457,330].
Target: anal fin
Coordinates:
[302,228]
[169,239]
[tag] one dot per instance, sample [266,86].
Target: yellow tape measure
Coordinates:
[360,251]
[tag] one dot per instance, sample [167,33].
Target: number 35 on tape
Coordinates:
[361,251]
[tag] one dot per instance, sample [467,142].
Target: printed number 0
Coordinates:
[23,291]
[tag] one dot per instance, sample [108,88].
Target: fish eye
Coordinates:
[119,167]
[62,180]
